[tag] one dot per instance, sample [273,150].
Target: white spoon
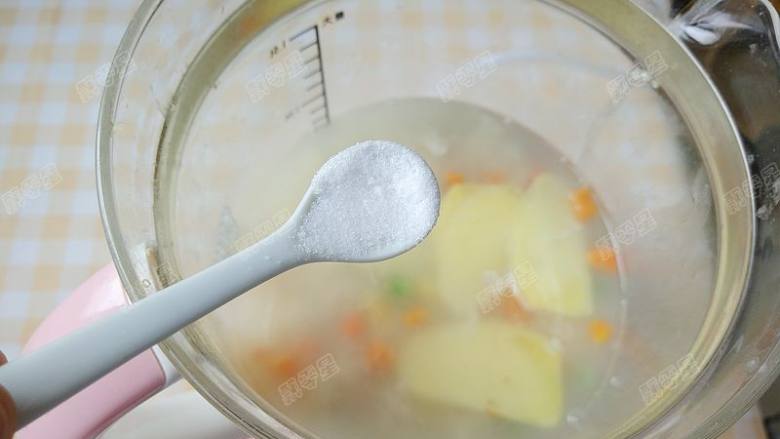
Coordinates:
[370,202]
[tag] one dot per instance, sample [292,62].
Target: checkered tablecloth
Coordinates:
[51,239]
[53,56]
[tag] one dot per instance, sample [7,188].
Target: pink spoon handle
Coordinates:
[41,380]
[92,410]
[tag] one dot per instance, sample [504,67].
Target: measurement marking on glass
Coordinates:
[311,101]
[308,46]
[302,33]
[314,72]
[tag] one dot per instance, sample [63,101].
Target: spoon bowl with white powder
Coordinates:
[372,201]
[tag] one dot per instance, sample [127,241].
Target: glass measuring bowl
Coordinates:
[208,147]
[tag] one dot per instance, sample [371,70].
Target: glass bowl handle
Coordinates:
[737,42]
[741,53]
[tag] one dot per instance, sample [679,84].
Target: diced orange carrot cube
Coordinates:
[285,366]
[603,259]
[354,325]
[415,317]
[512,309]
[452,178]
[380,357]
[600,331]
[583,205]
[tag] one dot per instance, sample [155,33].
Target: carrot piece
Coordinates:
[600,331]
[415,317]
[512,309]
[285,366]
[354,325]
[452,178]
[603,259]
[380,357]
[583,205]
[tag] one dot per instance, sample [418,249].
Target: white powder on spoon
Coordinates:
[372,201]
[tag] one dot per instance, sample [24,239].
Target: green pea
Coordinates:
[399,287]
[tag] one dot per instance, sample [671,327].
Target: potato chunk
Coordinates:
[550,244]
[494,367]
[470,239]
